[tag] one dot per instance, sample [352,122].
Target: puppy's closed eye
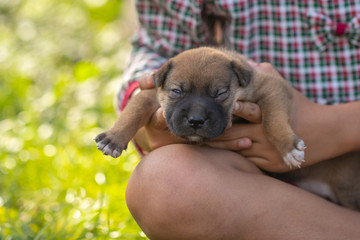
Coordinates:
[222,94]
[176,93]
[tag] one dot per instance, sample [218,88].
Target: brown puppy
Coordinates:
[197,90]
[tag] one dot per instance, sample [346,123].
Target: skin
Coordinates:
[206,193]
[181,191]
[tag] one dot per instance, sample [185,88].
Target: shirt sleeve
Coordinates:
[166,28]
[142,61]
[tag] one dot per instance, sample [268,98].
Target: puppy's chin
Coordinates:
[195,138]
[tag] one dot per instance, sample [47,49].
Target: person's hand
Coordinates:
[155,134]
[314,123]
[249,139]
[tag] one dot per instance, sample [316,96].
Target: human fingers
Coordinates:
[146,81]
[268,68]
[248,110]
[241,130]
[264,155]
[232,145]
[269,163]
[238,137]
[264,67]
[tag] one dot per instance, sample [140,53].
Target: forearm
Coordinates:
[349,120]
[328,131]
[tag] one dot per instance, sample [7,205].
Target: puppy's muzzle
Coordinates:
[196,118]
[196,122]
[197,114]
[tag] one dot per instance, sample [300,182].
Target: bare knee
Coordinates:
[172,194]
[158,192]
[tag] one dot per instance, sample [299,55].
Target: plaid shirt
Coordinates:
[314,44]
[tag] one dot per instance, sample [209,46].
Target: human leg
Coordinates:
[192,192]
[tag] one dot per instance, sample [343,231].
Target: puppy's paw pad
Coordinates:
[295,157]
[109,145]
[116,153]
[107,150]
[102,143]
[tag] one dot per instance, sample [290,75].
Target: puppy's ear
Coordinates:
[161,74]
[242,71]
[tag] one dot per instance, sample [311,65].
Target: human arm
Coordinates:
[328,131]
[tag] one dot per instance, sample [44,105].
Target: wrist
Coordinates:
[348,125]
[328,131]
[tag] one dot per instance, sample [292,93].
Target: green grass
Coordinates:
[61,64]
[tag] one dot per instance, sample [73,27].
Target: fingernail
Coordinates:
[244,143]
[236,106]
[252,63]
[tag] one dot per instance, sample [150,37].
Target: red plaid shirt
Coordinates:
[314,44]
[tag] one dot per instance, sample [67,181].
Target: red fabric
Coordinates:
[132,87]
[292,183]
[340,28]
[138,148]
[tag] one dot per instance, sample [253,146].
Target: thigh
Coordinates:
[196,157]
[190,185]
[192,192]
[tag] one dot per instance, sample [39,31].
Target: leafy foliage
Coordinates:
[60,67]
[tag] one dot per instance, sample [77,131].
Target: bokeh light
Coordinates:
[61,64]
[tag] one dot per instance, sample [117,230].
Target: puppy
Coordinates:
[197,90]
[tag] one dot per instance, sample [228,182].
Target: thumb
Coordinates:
[146,81]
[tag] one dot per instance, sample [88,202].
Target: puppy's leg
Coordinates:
[276,110]
[135,115]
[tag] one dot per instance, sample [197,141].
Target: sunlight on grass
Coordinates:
[60,67]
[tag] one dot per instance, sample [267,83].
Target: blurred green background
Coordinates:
[61,64]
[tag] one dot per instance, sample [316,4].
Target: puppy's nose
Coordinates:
[196,122]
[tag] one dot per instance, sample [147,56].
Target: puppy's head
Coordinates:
[197,90]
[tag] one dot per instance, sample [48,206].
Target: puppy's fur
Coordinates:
[197,90]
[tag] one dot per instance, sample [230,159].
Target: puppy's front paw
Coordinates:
[109,144]
[296,156]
